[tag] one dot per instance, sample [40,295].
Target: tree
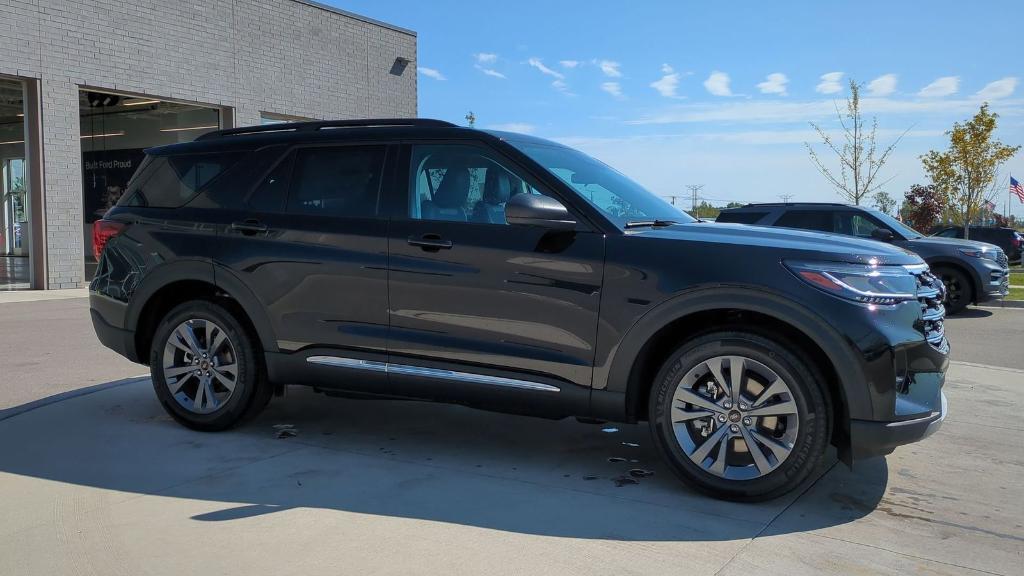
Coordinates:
[967,172]
[922,206]
[859,160]
[884,202]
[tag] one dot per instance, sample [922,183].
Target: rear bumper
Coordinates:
[117,339]
[869,438]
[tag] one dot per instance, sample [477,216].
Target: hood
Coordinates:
[833,247]
[940,241]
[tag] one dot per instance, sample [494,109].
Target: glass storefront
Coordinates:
[116,129]
[15,239]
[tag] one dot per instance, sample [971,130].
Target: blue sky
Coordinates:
[720,94]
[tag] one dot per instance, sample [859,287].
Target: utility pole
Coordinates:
[694,188]
[672,199]
[785,197]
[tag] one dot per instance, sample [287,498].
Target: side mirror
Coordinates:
[883,234]
[534,210]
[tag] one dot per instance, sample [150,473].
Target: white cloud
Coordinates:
[536,63]
[613,88]
[490,72]
[485,57]
[561,86]
[668,84]
[610,68]
[521,127]
[431,73]
[944,86]
[569,63]
[884,85]
[998,89]
[829,83]
[777,111]
[774,83]
[718,84]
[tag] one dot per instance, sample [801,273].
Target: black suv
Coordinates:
[1008,239]
[972,272]
[417,259]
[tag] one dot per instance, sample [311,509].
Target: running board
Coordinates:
[404,369]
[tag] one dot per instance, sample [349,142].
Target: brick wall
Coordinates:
[283,56]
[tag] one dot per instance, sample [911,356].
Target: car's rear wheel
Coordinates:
[739,416]
[205,368]
[958,289]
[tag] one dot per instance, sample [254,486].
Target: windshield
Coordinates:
[619,198]
[897,226]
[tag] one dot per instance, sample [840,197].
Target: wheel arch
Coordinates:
[175,283]
[653,338]
[976,282]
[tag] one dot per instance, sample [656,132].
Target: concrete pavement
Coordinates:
[49,347]
[106,483]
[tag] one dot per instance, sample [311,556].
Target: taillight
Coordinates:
[1017,240]
[102,231]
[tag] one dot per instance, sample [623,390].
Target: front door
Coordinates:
[481,304]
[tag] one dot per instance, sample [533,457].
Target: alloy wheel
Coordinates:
[734,417]
[954,291]
[200,366]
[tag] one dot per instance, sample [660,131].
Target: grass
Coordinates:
[1016,294]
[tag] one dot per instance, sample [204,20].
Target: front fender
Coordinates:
[613,378]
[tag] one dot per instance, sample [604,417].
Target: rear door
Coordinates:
[310,242]
[481,308]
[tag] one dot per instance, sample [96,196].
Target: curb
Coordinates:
[18,410]
[1003,304]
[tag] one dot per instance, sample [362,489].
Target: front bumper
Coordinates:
[995,280]
[869,438]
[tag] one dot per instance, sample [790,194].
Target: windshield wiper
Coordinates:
[649,223]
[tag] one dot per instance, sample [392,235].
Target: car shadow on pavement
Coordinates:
[973,313]
[398,459]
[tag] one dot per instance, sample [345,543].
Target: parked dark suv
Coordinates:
[972,272]
[416,259]
[1008,239]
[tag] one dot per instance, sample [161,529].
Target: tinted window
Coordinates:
[949,233]
[461,184]
[807,220]
[171,181]
[740,217]
[341,181]
[854,224]
[270,194]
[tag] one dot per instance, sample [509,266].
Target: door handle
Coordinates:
[430,242]
[249,227]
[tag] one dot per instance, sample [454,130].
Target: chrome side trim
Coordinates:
[339,362]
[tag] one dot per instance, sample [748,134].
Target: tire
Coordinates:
[959,290]
[231,380]
[731,473]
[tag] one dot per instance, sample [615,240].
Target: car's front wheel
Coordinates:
[958,289]
[205,367]
[739,416]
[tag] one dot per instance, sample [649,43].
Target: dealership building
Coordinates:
[87,85]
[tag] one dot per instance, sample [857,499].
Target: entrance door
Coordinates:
[472,295]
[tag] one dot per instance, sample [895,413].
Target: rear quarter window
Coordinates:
[740,217]
[172,181]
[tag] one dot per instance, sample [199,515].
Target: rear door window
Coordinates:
[337,181]
[172,181]
[271,193]
[807,220]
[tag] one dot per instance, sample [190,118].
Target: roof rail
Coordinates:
[794,204]
[321,124]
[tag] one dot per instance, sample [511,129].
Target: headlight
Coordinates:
[870,284]
[979,253]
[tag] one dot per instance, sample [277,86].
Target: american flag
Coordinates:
[1017,189]
[990,205]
